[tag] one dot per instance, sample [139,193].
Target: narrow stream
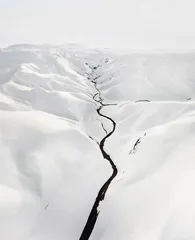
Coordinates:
[91,221]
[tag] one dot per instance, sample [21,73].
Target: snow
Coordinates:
[157,186]
[51,167]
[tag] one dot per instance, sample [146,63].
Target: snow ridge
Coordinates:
[58,106]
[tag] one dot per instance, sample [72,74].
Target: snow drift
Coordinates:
[51,168]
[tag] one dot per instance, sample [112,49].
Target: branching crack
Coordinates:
[91,221]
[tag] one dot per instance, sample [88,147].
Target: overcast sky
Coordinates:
[135,24]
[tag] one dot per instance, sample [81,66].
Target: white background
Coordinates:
[135,24]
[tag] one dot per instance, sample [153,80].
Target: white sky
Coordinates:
[135,24]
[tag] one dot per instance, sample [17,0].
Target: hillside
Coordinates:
[79,125]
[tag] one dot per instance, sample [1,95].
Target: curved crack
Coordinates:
[104,128]
[91,221]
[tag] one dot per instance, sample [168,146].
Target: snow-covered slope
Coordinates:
[51,166]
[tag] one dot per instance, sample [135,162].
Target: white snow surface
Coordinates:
[51,167]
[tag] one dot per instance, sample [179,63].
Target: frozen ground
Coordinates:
[51,167]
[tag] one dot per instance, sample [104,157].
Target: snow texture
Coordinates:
[51,167]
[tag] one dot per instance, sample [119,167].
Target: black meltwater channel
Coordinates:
[91,221]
